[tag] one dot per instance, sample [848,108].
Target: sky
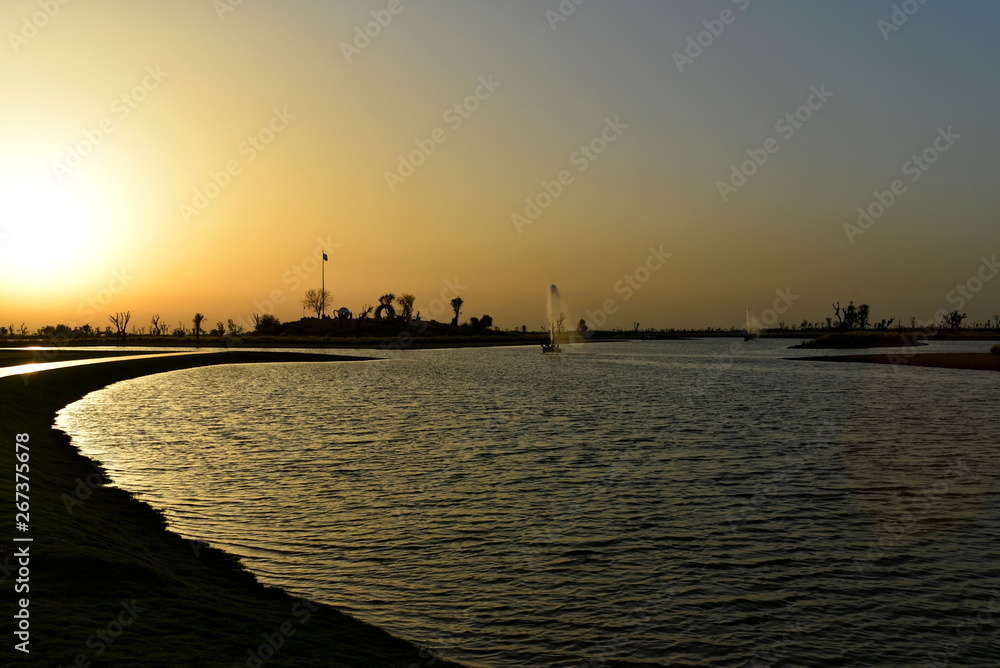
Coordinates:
[666,163]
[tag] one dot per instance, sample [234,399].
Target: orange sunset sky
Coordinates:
[174,157]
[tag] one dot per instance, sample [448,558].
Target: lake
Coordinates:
[681,503]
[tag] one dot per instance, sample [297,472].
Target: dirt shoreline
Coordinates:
[110,585]
[975,361]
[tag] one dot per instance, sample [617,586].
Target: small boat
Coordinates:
[749,334]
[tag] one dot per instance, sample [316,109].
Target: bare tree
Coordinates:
[316,300]
[405,302]
[837,311]
[120,321]
[366,312]
[196,321]
[155,328]
[954,319]
[456,306]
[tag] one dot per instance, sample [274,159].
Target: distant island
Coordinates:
[848,340]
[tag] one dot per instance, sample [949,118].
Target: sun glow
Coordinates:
[51,236]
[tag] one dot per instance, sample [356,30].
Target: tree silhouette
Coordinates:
[316,300]
[582,326]
[456,306]
[405,302]
[863,311]
[954,319]
[197,320]
[366,312]
[851,316]
[265,324]
[120,321]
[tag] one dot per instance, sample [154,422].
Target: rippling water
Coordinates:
[678,503]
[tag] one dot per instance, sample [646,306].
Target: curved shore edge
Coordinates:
[975,361]
[109,584]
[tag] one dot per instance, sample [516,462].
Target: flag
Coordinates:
[325,258]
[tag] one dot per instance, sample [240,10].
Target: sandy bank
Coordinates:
[18,356]
[110,585]
[977,361]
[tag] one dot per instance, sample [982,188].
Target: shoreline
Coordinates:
[969,361]
[110,582]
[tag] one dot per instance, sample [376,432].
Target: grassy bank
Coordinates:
[95,550]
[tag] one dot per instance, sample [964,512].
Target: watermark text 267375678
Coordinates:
[22,455]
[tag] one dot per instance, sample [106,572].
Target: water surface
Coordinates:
[662,503]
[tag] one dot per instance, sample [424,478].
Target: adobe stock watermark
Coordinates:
[365,34]
[582,159]
[562,12]
[440,305]
[699,43]
[302,610]
[85,488]
[249,149]
[914,168]
[121,108]
[104,637]
[899,16]
[627,287]
[708,375]
[293,279]
[33,24]
[786,126]
[455,117]
[223,7]
[979,623]
[921,508]
[959,297]
[119,281]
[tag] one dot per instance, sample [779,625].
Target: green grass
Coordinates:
[199,607]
